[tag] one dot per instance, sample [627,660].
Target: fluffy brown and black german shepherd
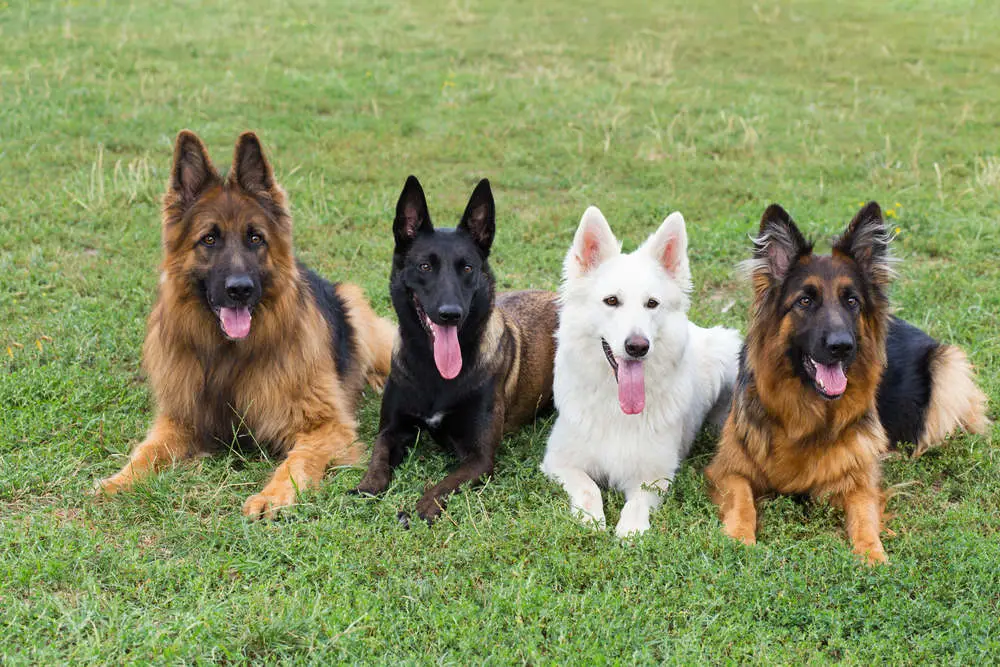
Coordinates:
[470,366]
[829,380]
[244,343]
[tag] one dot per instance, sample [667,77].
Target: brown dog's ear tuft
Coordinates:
[776,249]
[251,171]
[412,215]
[866,241]
[479,219]
[192,172]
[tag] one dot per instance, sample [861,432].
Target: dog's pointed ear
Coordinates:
[668,246]
[866,241]
[192,171]
[412,216]
[251,172]
[593,244]
[479,219]
[776,249]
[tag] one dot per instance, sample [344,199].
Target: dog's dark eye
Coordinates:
[256,239]
[611,301]
[467,269]
[804,302]
[652,303]
[208,239]
[853,302]
[425,266]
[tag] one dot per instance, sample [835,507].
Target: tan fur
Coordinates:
[530,318]
[781,436]
[956,401]
[280,383]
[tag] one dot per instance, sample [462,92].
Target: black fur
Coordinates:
[335,314]
[435,272]
[905,390]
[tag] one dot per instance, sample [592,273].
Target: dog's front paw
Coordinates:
[874,556]
[632,524]
[269,502]
[589,510]
[109,486]
[371,485]
[429,508]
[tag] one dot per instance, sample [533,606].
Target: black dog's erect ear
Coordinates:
[479,219]
[776,248]
[251,171]
[866,241]
[412,216]
[192,172]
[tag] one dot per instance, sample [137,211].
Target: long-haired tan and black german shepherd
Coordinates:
[469,367]
[244,343]
[813,411]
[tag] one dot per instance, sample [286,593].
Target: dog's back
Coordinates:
[531,317]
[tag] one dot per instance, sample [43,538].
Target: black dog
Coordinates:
[464,371]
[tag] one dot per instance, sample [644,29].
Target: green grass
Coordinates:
[713,108]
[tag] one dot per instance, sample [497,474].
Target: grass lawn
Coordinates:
[712,108]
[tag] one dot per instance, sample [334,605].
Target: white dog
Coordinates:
[634,379]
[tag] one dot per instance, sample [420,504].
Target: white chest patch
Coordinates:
[435,420]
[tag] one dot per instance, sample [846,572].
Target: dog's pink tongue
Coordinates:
[447,352]
[831,378]
[235,321]
[631,386]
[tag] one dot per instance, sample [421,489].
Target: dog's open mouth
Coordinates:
[631,381]
[235,322]
[830,380]
[444,340]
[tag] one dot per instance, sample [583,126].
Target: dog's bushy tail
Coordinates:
[956,401]
[375,336]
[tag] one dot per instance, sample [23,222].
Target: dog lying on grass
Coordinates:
[469,367]
[829,379]
[634,378]
[244,343]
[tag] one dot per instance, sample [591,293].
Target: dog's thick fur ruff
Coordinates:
[689,371]
[292,384]
[782,435]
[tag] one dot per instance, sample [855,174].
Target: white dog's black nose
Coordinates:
[636,346]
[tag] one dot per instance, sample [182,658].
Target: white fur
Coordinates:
[689,371]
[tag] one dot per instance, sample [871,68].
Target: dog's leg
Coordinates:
[863,512]
[475,466]
[584,494]
[639,502]
[390,447]
[734,496]
[167,442]
[304,467]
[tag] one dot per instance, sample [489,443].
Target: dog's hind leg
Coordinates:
[584,494]
[639,502]
[166,443]
[335,441]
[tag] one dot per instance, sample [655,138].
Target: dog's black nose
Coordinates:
[450,314]
[636,346]
[839,344]
[239,287]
